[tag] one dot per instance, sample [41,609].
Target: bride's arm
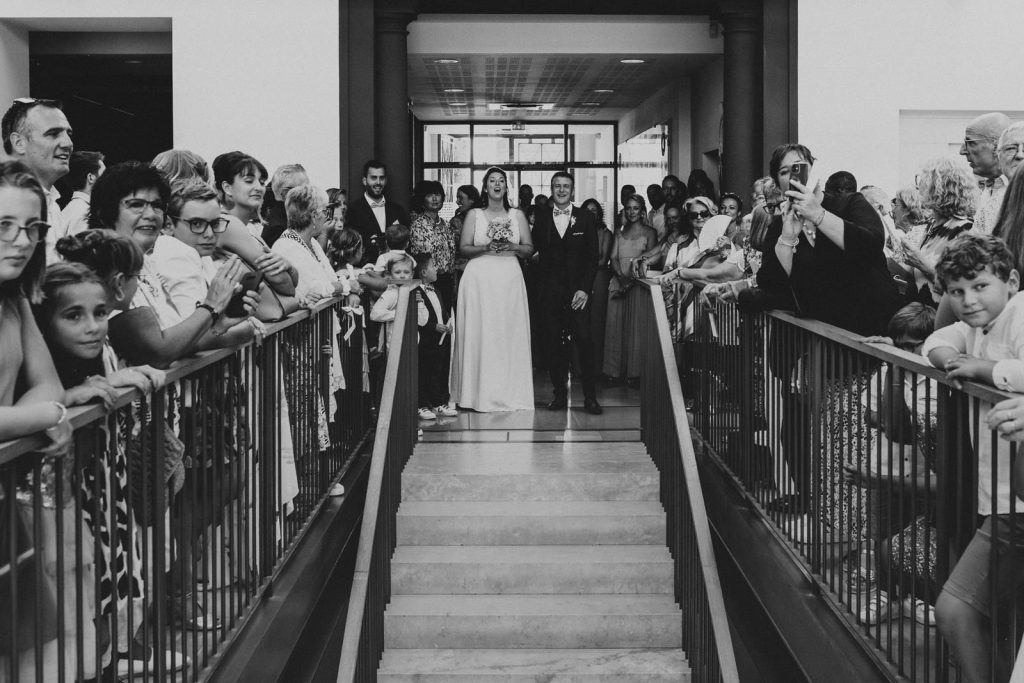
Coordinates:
[466,246]
[525,247]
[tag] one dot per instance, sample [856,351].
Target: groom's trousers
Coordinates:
[564,329]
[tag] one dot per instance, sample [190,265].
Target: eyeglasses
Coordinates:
[772,207]
[136,205]
[695,215]
[1013,149]
[199,225]
[35,231]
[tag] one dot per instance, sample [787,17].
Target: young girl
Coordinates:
[73,318]
[399,270]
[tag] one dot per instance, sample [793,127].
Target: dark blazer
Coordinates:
[570,261]
[429,336]
[360,218]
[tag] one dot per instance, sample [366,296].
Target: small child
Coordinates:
[399,270]
[987,345]
[345,250]
[397,238]
[435,345]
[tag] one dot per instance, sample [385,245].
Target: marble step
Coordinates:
[529,666]
[533,523]
[499,451]
[532,621]
[555,569]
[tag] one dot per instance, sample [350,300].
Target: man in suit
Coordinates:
[372,213]
[565,240]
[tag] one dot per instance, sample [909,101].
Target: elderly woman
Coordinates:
[431,234]
[907,210]
[823,258]
[948,190]
[1011,149]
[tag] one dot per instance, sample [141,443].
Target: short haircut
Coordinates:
[422,260]
[230,165]
[14,118]
[910,198]
[374,163]
[733,196]
[397,236]
[563,174]
[1009,130]
[525,188]
[780,152]
[424,188]
[840,182]
[120,181]
[181,164]
[400,258]
[106,252]
[971,253]
[914,321]
[82,164]
[301,205]
[670,178]
[16,174]
[185,191]
[286,173]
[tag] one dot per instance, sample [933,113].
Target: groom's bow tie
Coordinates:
[377,205]
[563,212]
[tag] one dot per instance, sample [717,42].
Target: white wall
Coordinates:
[254,75]
[669,105]
[860,64]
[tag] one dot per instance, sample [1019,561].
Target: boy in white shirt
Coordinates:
[987,345]
[397,237]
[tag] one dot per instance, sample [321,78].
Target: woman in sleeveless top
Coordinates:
[491,364]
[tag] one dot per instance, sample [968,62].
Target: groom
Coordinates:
[565,241]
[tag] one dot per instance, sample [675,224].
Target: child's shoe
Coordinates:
[427,414]
[445,411]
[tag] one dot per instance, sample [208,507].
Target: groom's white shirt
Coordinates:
[562,221]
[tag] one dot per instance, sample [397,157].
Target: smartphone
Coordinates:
[801,172]
[250,282]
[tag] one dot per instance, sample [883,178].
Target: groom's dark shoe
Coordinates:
[592,406]
[560,403]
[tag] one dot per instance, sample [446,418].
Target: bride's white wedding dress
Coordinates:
[491,366]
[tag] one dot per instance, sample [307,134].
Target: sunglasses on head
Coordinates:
[31,102]
[695,215]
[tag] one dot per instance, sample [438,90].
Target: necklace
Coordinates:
[292,235]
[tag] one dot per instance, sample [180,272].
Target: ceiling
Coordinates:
[569,82]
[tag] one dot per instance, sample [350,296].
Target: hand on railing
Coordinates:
[1007,418]
[92,388]
[141,377]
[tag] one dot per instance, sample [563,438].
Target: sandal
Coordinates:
[874,608]
[922,612]
[198,621]
[127,665]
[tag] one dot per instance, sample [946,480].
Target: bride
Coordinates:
[491,366]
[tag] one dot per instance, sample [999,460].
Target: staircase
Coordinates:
[531,562]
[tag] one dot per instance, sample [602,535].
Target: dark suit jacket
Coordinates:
[570,261]
[360,218]
[429,336]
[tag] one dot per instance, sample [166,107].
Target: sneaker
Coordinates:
[445,411]
[336,490]
[426,414]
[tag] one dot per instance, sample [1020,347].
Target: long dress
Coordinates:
[491,366]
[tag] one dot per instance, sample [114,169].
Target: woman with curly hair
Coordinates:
[907,210]
[947,189]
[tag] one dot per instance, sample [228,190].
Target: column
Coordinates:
[391,111]
[742,101]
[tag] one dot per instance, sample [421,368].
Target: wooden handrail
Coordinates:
[368,531]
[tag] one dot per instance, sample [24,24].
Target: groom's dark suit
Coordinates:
[567,264]
[360,217]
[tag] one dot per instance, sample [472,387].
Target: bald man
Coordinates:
[981,140]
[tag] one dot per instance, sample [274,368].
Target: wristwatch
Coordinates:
[214,314]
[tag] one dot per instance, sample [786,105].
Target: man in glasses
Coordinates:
[37,133]
[1011,150]
[979,146]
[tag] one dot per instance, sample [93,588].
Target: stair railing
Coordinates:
[666,434]
[395,438]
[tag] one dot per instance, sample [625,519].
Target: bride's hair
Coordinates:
[483,190]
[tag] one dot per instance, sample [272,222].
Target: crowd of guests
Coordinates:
[150,262]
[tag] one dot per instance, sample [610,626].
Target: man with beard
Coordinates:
[372,213]
[37,133]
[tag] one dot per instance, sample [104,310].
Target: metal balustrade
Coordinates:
[165,526]
[666,434]
[862,458]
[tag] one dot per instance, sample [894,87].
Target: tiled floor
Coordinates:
[620,421]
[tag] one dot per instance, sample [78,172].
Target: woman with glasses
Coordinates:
[131,199]
[621,339]
[431,234]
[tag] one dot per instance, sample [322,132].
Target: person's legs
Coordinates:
[555,342]
[580,331]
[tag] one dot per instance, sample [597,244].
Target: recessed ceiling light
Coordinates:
[456,104]
[454,90]
[603,90]
[512,106]
[590,104]
[446,61]
[632,61]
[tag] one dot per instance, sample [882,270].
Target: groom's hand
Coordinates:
[579,300]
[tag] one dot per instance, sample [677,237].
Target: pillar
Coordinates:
[391,110]
[742,97]
[355,92]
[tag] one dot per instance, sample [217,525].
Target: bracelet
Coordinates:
[258,328]
[213,314]
[792,245]
[821,217]
[63,414]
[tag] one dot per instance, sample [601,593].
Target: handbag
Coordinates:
[25,574]
[141,479]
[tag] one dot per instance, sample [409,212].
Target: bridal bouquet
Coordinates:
[499,231]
